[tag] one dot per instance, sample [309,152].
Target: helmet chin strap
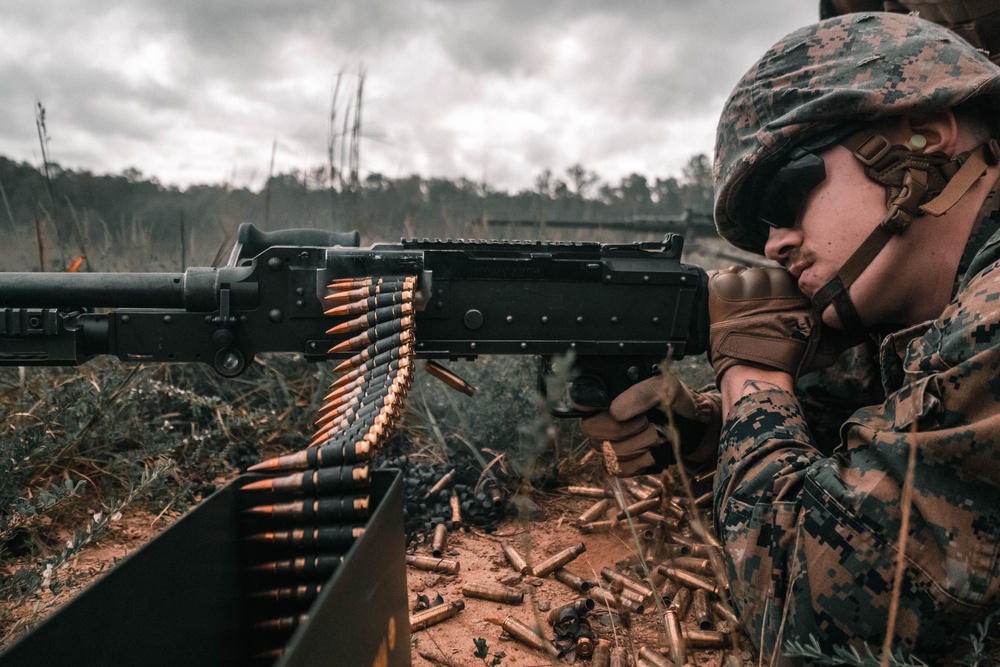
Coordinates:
[916,184]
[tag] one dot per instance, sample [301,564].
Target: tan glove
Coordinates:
[760,318]
[633,444]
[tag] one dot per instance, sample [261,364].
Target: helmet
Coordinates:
[857,67]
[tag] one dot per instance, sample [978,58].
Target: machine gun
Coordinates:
[619,308]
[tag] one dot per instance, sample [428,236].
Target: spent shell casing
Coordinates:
[281,624]
[440,538]
[440,485]
[325,456]
[635,509]
[322,481]
[317,566]
[627,594]
[456,510]
[699,609]
[584,646]
[656,518]
[321,510]
[494,592]
[301,594]
[705,639]
[575,582]
[675,638]
[602,655]
[636,586]
[431,564]
[595,511]
[680,602]
[726,614]
[328,538]
[525,635]
[580,607]
[556,561]
[441,373]
[429,617]
[690,579]
[514,557]
[654,657]
[619,658]
[369,304]
[691,564]
[668,589]
[588,491]
[603,526]
[695,548]
[614,602]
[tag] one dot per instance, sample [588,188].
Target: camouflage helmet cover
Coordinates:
[857,67]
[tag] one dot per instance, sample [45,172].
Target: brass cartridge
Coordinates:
[307,567]
[705,639]
[494,592]
[440,538]
[654,657]
[689,579]
[584,646]
[441,483]
[525,634]
[675,639]
[456,510]
[680,603]
[579,607]
[515,558]
[615,602]
[318,510]
[699,609]
[726,614]
[588,491]
[431,564]
[635,509]
[573,581]
[603,526]
[595,511]
[326,538]
[691,564]
[556,561]
[281,624]
[429,617]
[618,657]
[636,586]
[602,655]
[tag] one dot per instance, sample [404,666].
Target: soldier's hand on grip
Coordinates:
[760,318]
[630,434]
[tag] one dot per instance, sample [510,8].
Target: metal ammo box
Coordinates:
[180,600]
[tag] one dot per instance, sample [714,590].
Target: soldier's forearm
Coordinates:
[740,381]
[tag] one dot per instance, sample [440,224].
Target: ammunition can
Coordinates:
[429,617]
[527,636]
[573,581]
[431,564]
[654,657]
[682,600]
[705,639]
[690,579]
[675,639]
[515,558]
[602,656]
[493,592]
[595,511]
[440,537]
[580,607]
[587,491]
[699,609]
[555,562]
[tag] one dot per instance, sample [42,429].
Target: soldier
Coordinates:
[860,154]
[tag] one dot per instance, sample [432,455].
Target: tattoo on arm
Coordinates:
[752,386]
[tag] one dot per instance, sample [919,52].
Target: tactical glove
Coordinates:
[630,433]
[761,319]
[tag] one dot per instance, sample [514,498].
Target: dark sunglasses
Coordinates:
[786,193]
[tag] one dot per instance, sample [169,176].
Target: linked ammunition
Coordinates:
[440,537]
[431,564]
[525,634]
[306,567]
[635,509]
[302,594]
[373,367]
[595,511]
[580,607]
[376,348]
[327,538]
[602,655]
[281,624]
[515,558]
[618,657]
[615,602]
[726,614]
[371,319]
[699,609]
[556,561]
[636,586]
[441,483]
[327,480]
[497,593]
[690,579]
[321,510]
[326,456]
[366,291]
[675,640]
[654,657]
[680,602]
[370,304]
[588,491]
[387,395]
[374,378]
[603,526]
[369,336]
[705,639]
[351,426]
[572,580]
[429,617]
[456,510]
[441,373]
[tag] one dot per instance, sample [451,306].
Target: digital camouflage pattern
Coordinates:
[811,539]
[857,67]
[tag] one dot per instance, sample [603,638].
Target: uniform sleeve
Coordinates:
[811,540]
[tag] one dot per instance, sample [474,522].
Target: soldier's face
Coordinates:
[833,220]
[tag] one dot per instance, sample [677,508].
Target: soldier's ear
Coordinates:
[931,131]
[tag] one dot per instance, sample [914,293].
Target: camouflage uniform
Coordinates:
[811,539]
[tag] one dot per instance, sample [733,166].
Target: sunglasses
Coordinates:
[785,195]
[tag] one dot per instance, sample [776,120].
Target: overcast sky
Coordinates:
[197,91]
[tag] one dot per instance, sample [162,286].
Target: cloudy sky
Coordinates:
[198,91]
